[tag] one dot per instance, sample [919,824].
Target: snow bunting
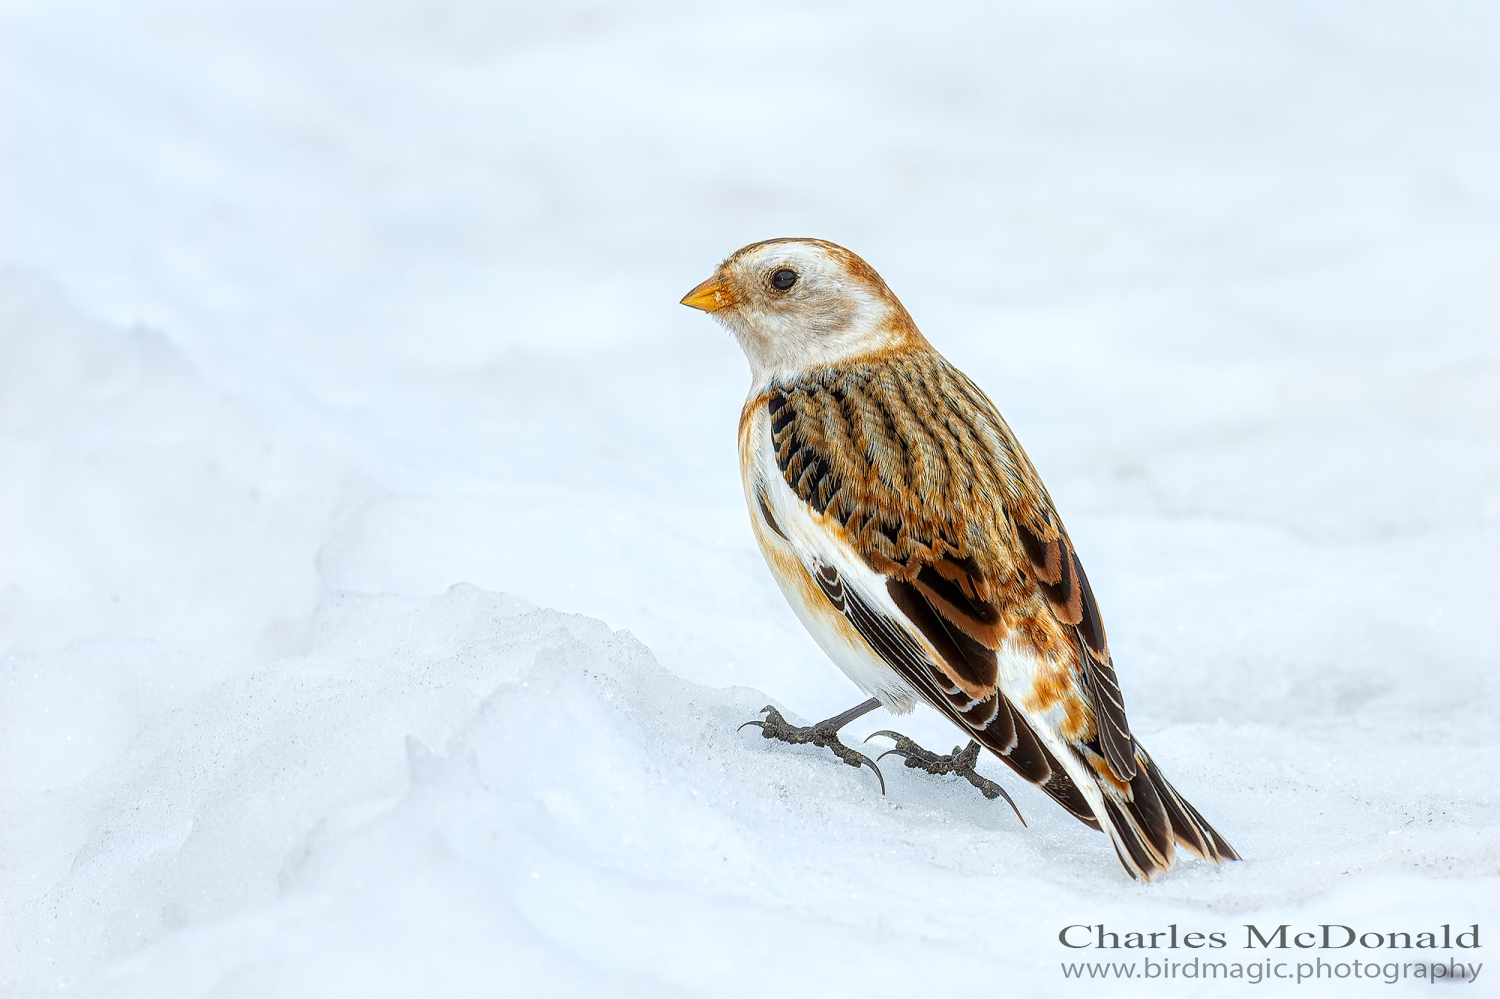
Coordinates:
[916,542]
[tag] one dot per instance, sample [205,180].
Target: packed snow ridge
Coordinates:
[455,791]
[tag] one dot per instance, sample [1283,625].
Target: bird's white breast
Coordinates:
[813,539]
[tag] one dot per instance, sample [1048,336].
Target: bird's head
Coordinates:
[795,304]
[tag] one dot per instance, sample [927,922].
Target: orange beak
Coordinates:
[710,296]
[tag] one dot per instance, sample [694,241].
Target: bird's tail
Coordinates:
[1147,819]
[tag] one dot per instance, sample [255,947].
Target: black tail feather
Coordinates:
[1191,830]
[1147,825]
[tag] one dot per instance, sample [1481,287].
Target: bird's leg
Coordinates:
[825,734]
[959,762]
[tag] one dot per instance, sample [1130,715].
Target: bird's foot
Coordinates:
[824,734]
[956,762]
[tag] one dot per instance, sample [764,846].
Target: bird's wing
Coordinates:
[922,522]
[926,482]
[927,526]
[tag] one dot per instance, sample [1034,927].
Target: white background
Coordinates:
[314,310]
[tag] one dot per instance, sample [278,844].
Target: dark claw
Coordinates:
[772,715]
[776,727]
[904,746]
[960,761]
[857,759]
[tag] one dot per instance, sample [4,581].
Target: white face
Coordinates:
[794,304]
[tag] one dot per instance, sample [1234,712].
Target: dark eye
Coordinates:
[783,279]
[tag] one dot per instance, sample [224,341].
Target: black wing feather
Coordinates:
[993,722]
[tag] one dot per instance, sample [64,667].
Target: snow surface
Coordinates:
[328,324]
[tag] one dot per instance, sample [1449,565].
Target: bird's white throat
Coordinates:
[780,345]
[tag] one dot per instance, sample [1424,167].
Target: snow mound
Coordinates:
[454,792]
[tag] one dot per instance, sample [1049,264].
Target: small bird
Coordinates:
[915,541]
